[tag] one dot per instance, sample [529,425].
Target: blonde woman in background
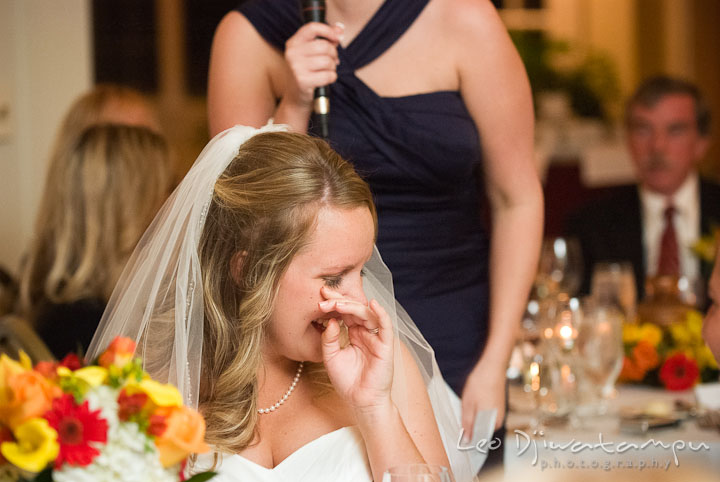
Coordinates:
[106,104]
[101,193]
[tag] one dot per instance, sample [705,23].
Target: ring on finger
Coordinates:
[373,331]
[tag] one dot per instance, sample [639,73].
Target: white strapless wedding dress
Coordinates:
[335,456]
[339,456]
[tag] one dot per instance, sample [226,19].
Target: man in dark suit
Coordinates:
[654,223]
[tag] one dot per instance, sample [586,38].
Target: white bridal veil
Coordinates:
[158,302]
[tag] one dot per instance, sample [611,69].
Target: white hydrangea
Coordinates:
[104,398]
[128,456]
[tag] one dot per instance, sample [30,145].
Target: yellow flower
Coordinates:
[651,333]
[705,358]
[35,448]
[705,247]
[25,361]
[694,323]
[162,395]
[680,334]
[631,333]
[92,376]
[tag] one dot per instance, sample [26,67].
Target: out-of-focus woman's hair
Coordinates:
[106,104]
[101,192]
[263,211]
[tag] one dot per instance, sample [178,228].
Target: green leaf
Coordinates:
[202,477]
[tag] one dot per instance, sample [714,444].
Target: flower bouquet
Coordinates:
[674,356]
[108,421]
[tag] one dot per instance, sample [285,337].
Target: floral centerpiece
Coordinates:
[706,247]
[674,356]
[108,421]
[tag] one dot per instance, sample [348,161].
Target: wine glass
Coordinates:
[614,282]
[554,385]
[418,473]
[526,345]
[600,350]
[553,372]
[559,268]
[559,325]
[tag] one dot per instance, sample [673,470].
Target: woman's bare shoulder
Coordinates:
[476,19]
[241,57]
[236,30]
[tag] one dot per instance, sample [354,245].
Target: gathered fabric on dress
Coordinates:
[419,153]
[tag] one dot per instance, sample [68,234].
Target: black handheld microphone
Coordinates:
[314,11]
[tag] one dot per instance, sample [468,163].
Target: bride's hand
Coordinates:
[362,371]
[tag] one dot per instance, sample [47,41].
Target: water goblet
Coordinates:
[554,371]
[600,351]
[614,282]
[559,267]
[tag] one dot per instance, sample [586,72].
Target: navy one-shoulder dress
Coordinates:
[419,154]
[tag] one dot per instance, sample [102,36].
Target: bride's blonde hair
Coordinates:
[263,211]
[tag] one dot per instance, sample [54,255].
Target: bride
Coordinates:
[257,291]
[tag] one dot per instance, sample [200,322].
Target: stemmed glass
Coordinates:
[554,372]
[615,283]
[600,351]
[560,267]
[418,473]
[551,371]
[528,341]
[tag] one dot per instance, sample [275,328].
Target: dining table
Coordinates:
[642,429]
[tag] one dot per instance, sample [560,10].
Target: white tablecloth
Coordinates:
[600,445]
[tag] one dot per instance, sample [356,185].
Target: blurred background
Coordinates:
[583,58]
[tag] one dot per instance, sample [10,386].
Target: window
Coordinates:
[125,48]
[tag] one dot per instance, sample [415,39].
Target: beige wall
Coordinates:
[606,25]
[648,37]
[681,38]
[45,53]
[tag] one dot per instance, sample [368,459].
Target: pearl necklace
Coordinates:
[277,404]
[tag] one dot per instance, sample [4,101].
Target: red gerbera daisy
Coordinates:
[679,372]
[77,426]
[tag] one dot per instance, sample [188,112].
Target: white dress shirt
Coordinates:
[686,201]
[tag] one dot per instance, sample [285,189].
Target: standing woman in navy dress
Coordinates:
[423,92]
